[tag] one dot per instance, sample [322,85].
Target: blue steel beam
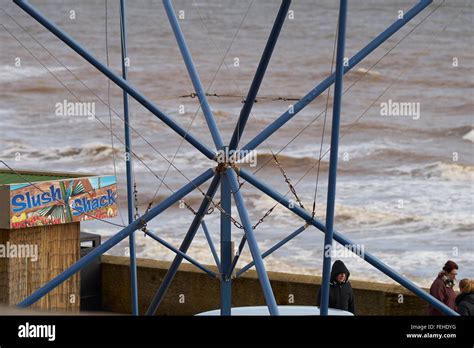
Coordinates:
[239,252]
[211,244]
[193,74]
[226,247]
[338,237]
[331,195]
[272,249]
[117,238]
[259,74]
[320,88]
[184,246]
[119,81]
[128,160]
[253,245]
[180,253]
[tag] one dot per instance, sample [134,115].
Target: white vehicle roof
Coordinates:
[284,310]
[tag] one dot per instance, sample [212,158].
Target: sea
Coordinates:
[406,164]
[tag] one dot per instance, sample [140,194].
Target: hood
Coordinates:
[465,297]
[339,267]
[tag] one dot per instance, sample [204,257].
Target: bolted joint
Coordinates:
[221,167]
[228,277]
[224,277]
[226,157]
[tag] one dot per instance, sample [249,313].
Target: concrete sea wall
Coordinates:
[193,291]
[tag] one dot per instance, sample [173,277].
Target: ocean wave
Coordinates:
[9,73]
[437,170]
[306,157]
[358,215]
[469,136]
[94,151]
[42,88]
[403,159]
[373,75]
[378,215]
[287,160]
[465,227]
[443,83]
[401,128]
[374,217]
[456,131]
[146,196]
[359,150]
[90,152]
[403,156]
[221,113]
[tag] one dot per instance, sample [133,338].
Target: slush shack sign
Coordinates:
[59,201]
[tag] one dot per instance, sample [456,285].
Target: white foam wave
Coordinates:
[356,150]
[89,152]
[369,72]
[10,73]
[440,170]
[469,136]
[375,214]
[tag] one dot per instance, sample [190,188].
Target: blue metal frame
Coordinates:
[128,160]
[239,252]
[193,74]
[180,253]
[211,244]
[226,247]
[225,174]
[184,246]
[253,245]
[331,196]
[259,74]
[274,248]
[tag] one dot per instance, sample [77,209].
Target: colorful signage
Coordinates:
[62,201]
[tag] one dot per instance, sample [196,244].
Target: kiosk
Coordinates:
[40,215]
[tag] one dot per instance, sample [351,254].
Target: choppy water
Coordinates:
[405,185]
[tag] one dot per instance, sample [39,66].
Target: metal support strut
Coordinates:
[331,196]
[128,160]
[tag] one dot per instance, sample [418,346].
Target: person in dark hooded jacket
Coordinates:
[341,295]
[465,300]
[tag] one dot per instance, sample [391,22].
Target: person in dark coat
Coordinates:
[341,295]
[443,287]
[465,300]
